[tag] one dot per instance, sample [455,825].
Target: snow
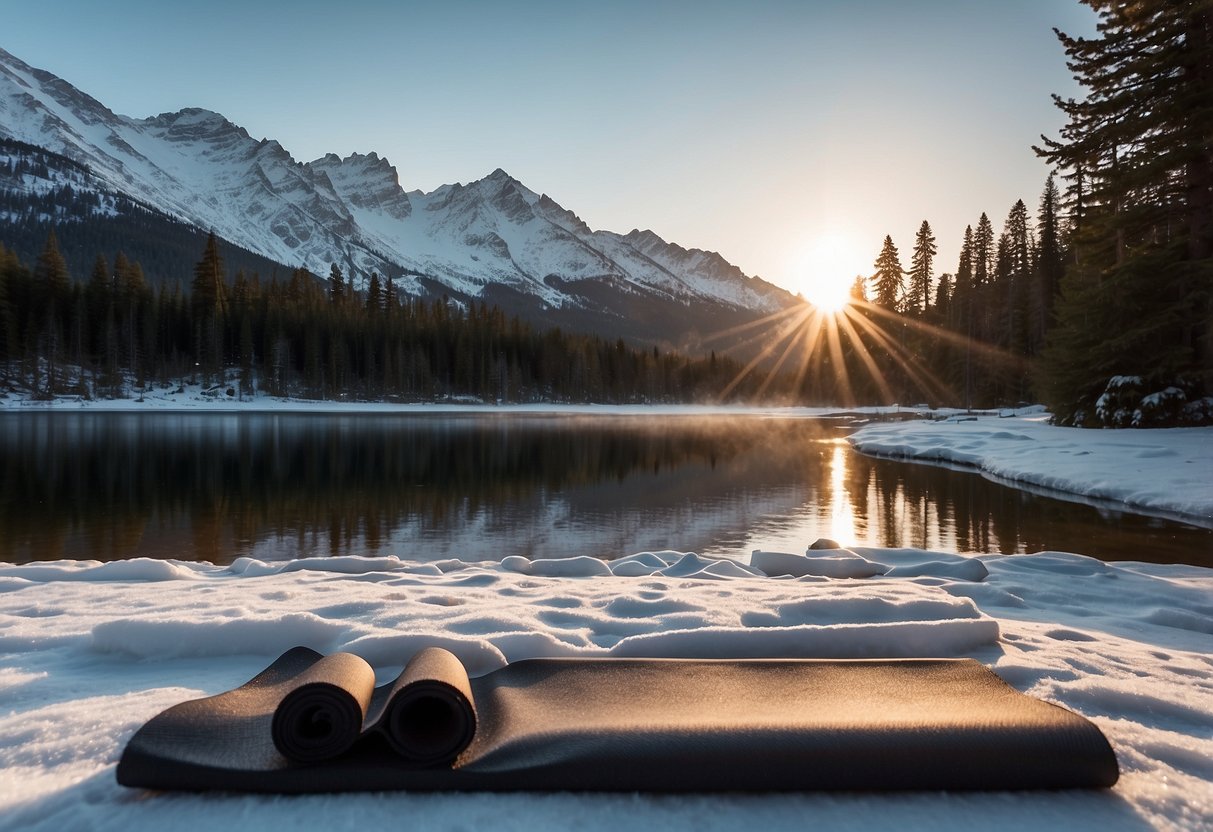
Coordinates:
[89,651]
[192,398]
[1164,472]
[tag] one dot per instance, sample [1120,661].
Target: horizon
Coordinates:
[794,211]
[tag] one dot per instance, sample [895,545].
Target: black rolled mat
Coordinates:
[663,725]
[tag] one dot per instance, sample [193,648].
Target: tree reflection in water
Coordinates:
[218,486]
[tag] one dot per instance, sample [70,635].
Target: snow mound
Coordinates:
[139,570]
[839,563]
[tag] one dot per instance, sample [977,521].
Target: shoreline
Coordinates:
[1159,472]
[194,401]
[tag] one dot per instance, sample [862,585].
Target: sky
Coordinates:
[791,137]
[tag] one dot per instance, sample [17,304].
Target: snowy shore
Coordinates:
[1165,472]
[193,399]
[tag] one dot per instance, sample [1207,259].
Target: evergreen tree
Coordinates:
[963,313]
[859,291]
[53,286]
[889,276]
[962,286]
[208,292]
[1015,266]
[983,251]
[943,297]
[208,300]
[1137,297]
[918,295]
[336,285]
[99,295]
[1050,262]
[374,295]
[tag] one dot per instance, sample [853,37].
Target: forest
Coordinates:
[114,336]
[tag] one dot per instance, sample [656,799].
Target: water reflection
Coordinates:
[215,487]
[843,526]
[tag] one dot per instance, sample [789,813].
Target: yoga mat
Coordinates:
[427,714]
[663,725]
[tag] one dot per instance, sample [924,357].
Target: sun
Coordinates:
[826,268]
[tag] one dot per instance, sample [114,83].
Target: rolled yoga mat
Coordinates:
[664,725]
[427,714]
[430,715]
[322,714]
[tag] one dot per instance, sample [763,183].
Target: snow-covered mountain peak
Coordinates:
[194,124]
[366,181]
[491,238]
[647,238]
[193,116]
[370,164]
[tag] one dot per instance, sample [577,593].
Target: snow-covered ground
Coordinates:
[89,651]
[1167,472]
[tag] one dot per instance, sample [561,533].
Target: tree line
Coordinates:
[114,335]
[980,326]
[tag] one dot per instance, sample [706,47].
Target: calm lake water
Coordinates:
[274,486]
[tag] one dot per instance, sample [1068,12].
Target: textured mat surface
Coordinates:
[666,725]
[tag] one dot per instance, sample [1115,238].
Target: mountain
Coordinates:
[493,239]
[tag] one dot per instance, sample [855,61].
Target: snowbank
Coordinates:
[1165,472]
[89,651]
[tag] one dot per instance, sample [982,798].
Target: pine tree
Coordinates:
[1050,262]
[889,276]
[962,287]
[859,291]
[208,301]
[336,285]
[943,297]
[208,292]
[99,295]
[918,295]
[374,296]
[1137,296]
[1015,266]
[963,313]
[983,251]
[52,282]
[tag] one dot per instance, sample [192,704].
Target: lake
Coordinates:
[217,486]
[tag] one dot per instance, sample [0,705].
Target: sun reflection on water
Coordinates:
[842,513]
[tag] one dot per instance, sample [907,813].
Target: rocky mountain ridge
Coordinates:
[492,239]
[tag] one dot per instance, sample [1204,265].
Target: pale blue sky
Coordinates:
[754,129]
